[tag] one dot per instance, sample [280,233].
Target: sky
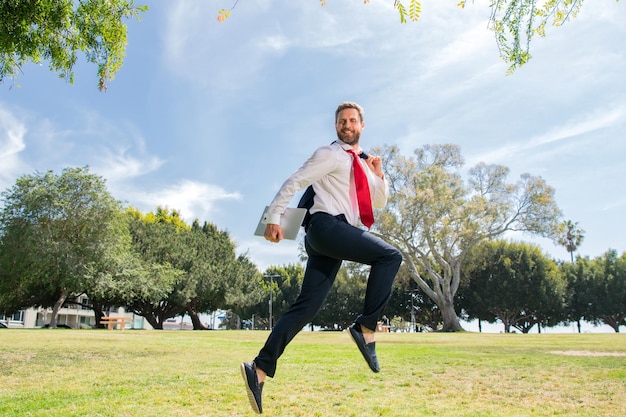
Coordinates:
[210,118]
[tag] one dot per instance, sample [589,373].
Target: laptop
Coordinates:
[290,222]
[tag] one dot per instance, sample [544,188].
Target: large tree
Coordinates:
[220,277]
[159,240]
[515,283]
[434,217]
[57,30]
[578,276]
[195,268]
[58,233]
[606,291]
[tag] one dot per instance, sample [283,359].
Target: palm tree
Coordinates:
[571,237]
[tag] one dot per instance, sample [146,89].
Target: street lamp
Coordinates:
[412,310]
[271,277]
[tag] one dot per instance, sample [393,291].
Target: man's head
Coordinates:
[349,122]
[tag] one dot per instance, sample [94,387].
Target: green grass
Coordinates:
[184,373]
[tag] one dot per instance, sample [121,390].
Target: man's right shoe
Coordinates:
[368,350]
[253,388]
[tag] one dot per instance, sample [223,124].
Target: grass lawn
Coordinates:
[183,373]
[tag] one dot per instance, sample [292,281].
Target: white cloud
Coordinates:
[119,165]
[12,144]
[571,130]
[265,254]
[192,199]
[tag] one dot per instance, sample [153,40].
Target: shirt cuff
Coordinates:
[272,218]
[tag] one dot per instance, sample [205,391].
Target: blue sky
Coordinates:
[209,118]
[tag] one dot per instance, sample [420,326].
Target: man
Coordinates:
[337,175]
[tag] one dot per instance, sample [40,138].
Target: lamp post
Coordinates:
[271,277]
[412,311]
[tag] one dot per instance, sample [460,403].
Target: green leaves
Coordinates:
[57,233]
[58,30]
[434,215]
[413,13]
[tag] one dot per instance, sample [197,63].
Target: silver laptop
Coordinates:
[290,222]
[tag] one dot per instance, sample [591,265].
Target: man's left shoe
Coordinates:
[254,389]
[368,350]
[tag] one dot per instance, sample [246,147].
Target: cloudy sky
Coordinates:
[209,118]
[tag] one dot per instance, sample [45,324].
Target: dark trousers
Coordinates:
[329,241]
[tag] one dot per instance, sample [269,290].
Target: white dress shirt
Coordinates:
[329,169]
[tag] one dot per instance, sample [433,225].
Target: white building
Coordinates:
[73,315]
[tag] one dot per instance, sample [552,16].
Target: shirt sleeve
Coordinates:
[319,164]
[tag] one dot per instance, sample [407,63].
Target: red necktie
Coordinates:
[362,191]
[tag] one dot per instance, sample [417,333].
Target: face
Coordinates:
[349,126]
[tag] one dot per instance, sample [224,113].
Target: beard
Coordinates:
[349,136]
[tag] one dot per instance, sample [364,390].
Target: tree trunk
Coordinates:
[613,321]
[97,312]
[55,310]
[450,319]
[153,322]
[195,320]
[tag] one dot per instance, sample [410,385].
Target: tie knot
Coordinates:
[353,152]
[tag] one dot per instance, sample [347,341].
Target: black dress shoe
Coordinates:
[253,388]
[368,350]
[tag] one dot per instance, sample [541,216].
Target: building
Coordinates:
[73,315]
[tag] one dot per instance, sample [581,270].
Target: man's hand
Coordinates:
[376,165]
[273,233]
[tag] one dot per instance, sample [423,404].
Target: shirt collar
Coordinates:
[346,147]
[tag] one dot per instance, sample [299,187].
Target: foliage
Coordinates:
[515,283]
[570,236]
[434,218]
[607,290]
[191,270]
[250,292]
[58,234]
[597,289]
[514,22]
[286,281]
[57,30]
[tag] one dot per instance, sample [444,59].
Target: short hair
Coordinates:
[348,105]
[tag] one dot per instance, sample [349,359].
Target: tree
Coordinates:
[578,277]
[159,241]
[56,30]
[219,275]
[58,233]
[607,290]
[514,22]
[250,291]
[570,236]
[515,283]
[434,218]
[285,284]
[195,268]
